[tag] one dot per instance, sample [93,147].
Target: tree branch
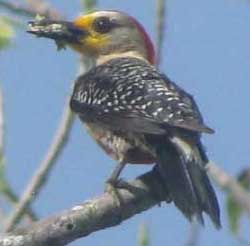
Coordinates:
[105,211]
[229,184]
[32,10]
[93,215]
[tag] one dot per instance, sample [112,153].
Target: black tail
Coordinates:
[182,167]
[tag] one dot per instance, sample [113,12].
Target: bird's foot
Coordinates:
[117,183]
[112,187]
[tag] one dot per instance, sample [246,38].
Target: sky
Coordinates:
[206,51]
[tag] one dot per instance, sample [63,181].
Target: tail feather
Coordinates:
[205,193]
[182,166]
[179,183]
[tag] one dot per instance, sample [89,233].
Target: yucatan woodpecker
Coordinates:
[134,112]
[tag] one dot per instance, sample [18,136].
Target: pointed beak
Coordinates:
[63,32]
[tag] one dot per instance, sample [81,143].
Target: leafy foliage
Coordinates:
[234,211]
[143,236]
[89,5]
[6,32]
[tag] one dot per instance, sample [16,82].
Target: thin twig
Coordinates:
[89,5]
[43,171]
[30,11]
[229,184]
[17,8]
[33,8]
[13,199]
[2,217]
[6,189]
[1,124]
[91,216]
[43,8]
[160,20]
[55,148]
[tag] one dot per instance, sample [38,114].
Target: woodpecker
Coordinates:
[133,111]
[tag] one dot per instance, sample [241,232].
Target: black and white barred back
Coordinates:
[135,91]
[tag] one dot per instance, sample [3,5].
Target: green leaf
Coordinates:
[89,5]
[143,236]
[234,211]
[2,175]
[6,32]
[244,179]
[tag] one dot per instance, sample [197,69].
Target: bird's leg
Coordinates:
[113,181]
[114,177]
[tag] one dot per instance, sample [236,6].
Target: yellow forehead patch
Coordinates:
[94,41]
[84,21]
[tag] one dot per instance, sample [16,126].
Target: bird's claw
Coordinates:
[112,186]
[117,183]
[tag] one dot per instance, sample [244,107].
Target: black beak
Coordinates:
[60,31]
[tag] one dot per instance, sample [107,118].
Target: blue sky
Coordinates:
[206,51]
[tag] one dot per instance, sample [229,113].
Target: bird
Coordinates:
[135,113]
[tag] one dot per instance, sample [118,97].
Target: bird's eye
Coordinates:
[102,25]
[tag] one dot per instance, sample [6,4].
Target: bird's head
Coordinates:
[100,34]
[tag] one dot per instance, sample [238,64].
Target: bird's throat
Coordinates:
[133,54]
